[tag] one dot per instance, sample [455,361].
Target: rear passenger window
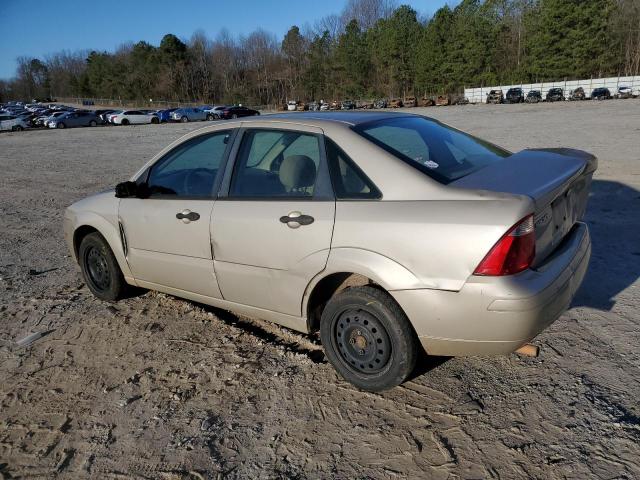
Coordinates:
[349,182]
[277,164]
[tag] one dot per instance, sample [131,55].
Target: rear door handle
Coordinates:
[187,216]
[295,219]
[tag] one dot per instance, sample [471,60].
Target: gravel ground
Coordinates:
[157,387]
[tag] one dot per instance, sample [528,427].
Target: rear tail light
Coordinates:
[513,253]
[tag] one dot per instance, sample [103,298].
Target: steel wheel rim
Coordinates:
[361,341]
[97,269]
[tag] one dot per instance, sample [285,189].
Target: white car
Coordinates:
[11,122]
[133,117]
[291,105]
[216,111]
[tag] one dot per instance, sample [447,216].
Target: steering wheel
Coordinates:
[198,181]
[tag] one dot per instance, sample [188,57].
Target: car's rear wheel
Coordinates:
[368,338]
[100,268]
[209,117]
[61,125]
[18,128]
[184,119]
[125,121]
[93,123]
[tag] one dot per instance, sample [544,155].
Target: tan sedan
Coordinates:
[391,234]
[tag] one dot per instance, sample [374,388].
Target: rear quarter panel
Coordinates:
[439,242]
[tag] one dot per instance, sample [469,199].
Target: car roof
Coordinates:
[349,118]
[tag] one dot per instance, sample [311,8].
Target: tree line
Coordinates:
[373,48]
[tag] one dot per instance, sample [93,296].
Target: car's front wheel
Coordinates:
[93,123]
[368,338]
[210,117]
[61,125]
[125,122]
[100,268]
[184,119]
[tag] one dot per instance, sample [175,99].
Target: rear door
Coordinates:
[167,234]
[272,225]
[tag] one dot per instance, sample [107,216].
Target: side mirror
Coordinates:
[126,189]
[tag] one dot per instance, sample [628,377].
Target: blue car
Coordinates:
[165,115]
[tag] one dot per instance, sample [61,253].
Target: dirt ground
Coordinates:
[157,387]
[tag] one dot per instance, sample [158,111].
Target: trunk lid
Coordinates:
[557,179]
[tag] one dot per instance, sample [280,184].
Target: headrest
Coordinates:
[297,171]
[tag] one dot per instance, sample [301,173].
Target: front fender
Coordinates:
[107,226]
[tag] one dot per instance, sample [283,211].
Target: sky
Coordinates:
[35,28]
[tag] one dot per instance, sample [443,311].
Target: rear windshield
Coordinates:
[442,152]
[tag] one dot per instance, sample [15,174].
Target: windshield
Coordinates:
[442,152]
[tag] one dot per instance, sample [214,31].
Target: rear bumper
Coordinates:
[496,315]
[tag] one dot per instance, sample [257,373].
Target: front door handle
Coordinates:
[295,219]
[187,216]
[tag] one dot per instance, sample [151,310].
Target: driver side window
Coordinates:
[190,169]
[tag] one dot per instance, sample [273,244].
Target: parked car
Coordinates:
[347,105]
[190,114]
[78,118]
[324,106]
[238,111]
[495,96]
[577,94]
[134,117]
[165,115]
[533,96]
[52,117]
[102,114]
[313,106]
[410,102]
[427,102]
[394,103]
[215,112]
[625,91]
[291,105]
[502,267]
[381,103]
[301,107]
[555,95]
[12,123]
[514,95]
[112,115]
[442,100]
[600,93]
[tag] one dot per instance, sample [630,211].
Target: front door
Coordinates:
[167,233]
[272,232]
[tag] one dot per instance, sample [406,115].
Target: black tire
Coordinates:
[18,128]
[155,120]
[125,122]
[234,116]
[210,117]
[61,125]
[184,119]
[100,268]
[382,347]
[93,123]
